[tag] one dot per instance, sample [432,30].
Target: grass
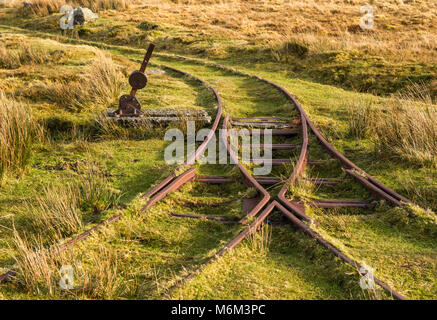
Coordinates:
[100,84]
[56,213]
[108,168]
[24,54]
[39,271]
[47,7]
[332,51]
[404,127]
[18,130]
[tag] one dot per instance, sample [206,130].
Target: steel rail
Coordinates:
[368,181]
[170,183]
[297,223]
[249,181]
[293,210]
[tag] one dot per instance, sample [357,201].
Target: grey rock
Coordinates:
[82,16]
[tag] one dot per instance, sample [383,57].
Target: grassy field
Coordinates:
[372,94]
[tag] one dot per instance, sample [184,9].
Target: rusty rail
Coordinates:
[294,210]
[169,184]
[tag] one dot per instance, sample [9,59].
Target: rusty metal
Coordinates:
[292,209]
[288,206]
[334,249]
[232,244]
[155,193]
[129,105]
[250,207]
[159,188]
[185,177]
[377,192]
[297,223]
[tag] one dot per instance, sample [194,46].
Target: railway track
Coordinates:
[264,203]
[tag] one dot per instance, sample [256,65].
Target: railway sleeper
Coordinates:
[265,180]
[278,162]
[275,132]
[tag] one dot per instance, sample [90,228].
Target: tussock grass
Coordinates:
[408,127]
[94,191]
[46,7]
[18,131]
[59,211]
[360,118]
[259,240]
[22,54]
[104,281]
[99,85]
[56,213]
[419,191]
[405,126]
[38,268]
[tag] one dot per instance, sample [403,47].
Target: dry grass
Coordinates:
[56,213]
[98,85]
[408,128]
[18,131]
[403,29]
[104,282]
[36,266]
[47,7]
[405,126]
[22,54]
[360,117]
[38,270]
[259,240]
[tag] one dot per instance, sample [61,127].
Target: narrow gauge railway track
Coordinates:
[169,184]
[261,207]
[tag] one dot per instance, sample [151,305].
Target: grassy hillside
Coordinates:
[371,93]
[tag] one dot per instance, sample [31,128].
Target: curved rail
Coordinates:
[292,210]
[250,181]
[169,184]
